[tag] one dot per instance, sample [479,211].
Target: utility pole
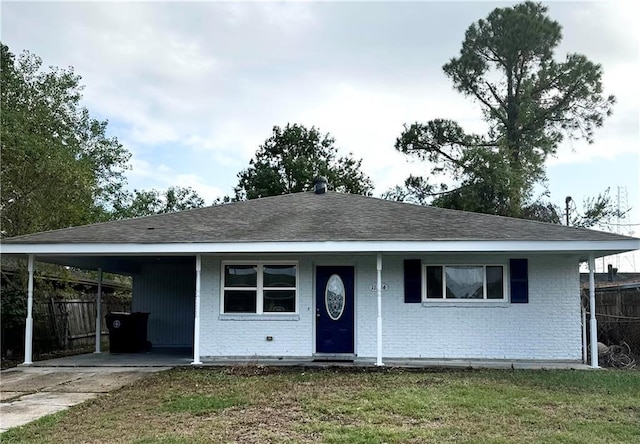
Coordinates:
[566,208]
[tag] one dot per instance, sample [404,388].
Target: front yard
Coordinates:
[249,404]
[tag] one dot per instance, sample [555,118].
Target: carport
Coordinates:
[158,357]
[163,286]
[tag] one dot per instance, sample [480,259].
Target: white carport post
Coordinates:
[593,324]
[28,333]
[379,319]
[196,323]
[99,312]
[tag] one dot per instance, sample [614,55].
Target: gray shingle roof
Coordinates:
[314,217]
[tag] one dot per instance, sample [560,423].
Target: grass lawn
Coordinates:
[251,404]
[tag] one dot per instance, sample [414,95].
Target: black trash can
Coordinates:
[128,332]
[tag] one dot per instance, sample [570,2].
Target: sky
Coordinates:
[192,89]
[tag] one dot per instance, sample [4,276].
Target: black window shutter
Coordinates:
[412,280]
[519,281]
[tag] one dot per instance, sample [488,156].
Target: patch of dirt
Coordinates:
[275,423]
[251,370]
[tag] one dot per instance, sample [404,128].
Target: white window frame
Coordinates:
[259,289]
[484,300]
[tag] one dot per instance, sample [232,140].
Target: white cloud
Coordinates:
[367,121]
[143,170]
[620,134]
[207,192]
[292,17]
[162,177]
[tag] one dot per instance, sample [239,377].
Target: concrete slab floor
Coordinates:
[152,359]
[103,384]
[31,382]
[7,396]
[28,393]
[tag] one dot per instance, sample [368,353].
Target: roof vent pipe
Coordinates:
[320,185]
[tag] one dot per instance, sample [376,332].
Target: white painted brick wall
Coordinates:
[547,328]
[249,337]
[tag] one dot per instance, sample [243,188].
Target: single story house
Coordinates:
[326,275]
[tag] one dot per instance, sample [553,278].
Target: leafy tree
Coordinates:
[59,168]
[531,103]
[595,211]
[148,202]
[224,200]
[415,190]
[289,160]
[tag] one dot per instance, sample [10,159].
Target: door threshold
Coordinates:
[342,357]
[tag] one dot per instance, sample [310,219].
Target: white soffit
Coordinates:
[617,246]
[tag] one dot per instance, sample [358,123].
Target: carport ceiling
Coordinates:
[115,264]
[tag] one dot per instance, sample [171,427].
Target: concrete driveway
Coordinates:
[28,393]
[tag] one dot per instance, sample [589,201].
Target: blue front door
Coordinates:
[334,309]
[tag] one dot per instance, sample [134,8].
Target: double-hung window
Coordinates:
[260,287]
[465,282]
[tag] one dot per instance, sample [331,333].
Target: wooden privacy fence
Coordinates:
[618,302]
[70,323]
[618,315]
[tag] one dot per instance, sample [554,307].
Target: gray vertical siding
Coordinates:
[167,292]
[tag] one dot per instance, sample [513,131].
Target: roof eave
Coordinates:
[599,248]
